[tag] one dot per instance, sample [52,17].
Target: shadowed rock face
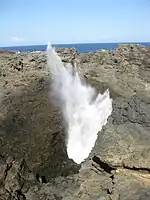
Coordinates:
[18,182]
[31,127]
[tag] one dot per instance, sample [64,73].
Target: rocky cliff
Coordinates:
[33,158]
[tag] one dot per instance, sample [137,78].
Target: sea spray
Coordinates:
[84,112]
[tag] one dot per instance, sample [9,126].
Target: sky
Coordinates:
[25,22]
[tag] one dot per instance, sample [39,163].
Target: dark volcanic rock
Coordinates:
[19,183]
[31,126]
[32,129]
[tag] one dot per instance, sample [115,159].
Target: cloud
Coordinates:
[16,39]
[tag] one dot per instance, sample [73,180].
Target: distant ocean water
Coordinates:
[82,47]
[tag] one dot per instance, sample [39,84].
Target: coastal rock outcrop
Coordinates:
[32,130]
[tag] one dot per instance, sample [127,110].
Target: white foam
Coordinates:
[84,116]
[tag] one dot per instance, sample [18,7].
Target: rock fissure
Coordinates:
[106,167]
[138,169]
[110,168]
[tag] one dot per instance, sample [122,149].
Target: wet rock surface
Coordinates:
[32,129]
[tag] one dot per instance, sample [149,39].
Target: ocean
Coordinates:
[81,47]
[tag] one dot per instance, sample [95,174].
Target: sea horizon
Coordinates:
[74,43]
[81,47]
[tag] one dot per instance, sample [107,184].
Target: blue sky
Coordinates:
[67,21]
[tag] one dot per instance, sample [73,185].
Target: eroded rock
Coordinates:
[31,127]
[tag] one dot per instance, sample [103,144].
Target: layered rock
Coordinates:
[119,164]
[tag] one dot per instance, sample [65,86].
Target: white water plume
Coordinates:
[84,112]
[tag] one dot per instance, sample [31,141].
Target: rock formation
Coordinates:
[33,159]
